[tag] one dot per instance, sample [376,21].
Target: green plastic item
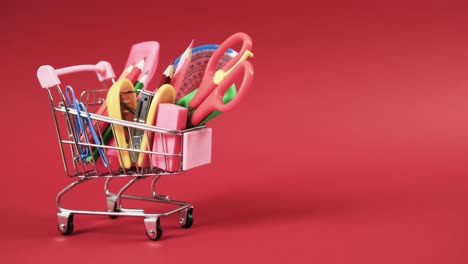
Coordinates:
[106,136]
[228,96]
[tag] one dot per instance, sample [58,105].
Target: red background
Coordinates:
[350,148]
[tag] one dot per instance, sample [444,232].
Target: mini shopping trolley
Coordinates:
[72,116]
[95,144]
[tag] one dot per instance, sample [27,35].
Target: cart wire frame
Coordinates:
[84,171]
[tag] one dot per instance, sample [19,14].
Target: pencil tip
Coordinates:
[140,64]
[144,77]
[169,70]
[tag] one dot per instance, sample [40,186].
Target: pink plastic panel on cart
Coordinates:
[197,148]
[149,52]
[48,76]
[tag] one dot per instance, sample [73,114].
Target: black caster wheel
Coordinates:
[186,221]
[154,234]
[114,210]
[67,229]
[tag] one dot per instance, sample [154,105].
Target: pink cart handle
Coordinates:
[49,77]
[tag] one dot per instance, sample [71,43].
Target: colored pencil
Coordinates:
[136,71]
[140,83]
[182,68]
[126,71]
[167,75]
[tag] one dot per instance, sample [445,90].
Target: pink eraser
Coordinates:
[170,116]
[197,148]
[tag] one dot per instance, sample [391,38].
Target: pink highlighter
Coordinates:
[174,117]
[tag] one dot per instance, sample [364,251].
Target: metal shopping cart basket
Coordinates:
[69,120]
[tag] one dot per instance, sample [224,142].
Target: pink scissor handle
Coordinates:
[227,44]
[214,101]
[147,51]
[49,77]
[207,85]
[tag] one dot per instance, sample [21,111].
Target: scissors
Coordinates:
[214,85]
[80,126]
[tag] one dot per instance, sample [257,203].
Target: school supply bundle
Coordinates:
[139,131]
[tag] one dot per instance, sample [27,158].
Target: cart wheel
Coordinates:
[114,210]
[112,206]
[66,229]
[154,230]
[186,218]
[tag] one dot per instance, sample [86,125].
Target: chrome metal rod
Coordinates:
[129,123]
[68,188]
[153,190]
[119,148]
[126,213]
[153,199]
[123,189]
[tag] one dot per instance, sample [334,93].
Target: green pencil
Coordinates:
[106,137]
[140,83]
